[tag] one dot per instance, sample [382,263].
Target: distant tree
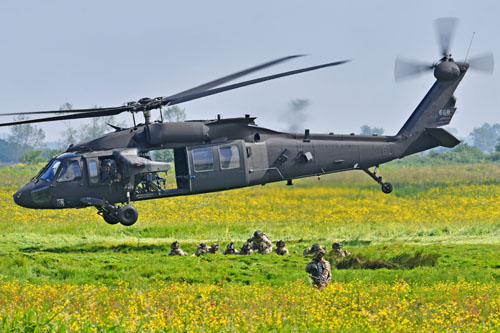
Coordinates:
[174,114]
[9,152]
[26,136]
[367,130]
[33,157]
[296,115]
[486,137]
[163,155]
[97,127]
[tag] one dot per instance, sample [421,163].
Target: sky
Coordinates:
[109,52]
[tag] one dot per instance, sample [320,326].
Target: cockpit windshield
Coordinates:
[50,172]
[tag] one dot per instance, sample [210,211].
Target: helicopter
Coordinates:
[112,171]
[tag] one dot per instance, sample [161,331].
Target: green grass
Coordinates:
[77,247]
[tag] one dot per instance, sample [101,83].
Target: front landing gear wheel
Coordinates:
[127,215]
[110,219]
[387,188]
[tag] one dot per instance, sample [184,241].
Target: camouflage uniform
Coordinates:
[230,249]
[312,250]
[214,248]
[201,250]
[246,249]
[261,243]
[176,250]
[337,250]
[319,270]
[280,248]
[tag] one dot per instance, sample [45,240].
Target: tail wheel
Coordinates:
[387,188]
[127,215]
[110,219]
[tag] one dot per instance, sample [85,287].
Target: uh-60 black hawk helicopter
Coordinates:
[220,154]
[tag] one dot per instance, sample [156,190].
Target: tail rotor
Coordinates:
[445,30]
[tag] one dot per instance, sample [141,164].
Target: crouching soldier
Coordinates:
[176,250]
[319,270]
[338,251]
[261,243]
[281,249]
[246,249]
[230,249]
[312,250]
[201,250]
[214,248]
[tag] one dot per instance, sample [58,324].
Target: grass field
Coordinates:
[68,269]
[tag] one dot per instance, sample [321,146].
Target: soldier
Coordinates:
[312,250]
[214,248]
[319,269]
[201,250]
[246,249]
[261,243]
[230,249]
[281,249]
[176,250]
[338,251]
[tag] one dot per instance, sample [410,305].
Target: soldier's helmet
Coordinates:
[320,253]
[258,233]
[215,246]
[230,246]
[336,246]
[203,245]
[280,243]
[316,247]
[175,245]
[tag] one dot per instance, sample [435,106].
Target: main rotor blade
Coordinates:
[109,112]
[194,90]
[191,97]
[102,112]
[484,63]
[404,68]
[60,111]
[445,29]
[234,76]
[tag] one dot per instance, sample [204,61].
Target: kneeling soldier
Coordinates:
[338,251]
[176,250]
[230,249]
[280,248]
[246,249]
[214,248]
[201,250]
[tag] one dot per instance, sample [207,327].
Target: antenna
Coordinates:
[470,44]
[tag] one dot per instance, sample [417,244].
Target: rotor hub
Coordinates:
[446,70]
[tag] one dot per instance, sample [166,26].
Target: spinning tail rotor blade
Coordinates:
[445,29]
[483,63]
[404,68]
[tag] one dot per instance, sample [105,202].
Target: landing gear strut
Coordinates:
[386,187]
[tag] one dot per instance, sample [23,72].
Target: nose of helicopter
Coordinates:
[23,196]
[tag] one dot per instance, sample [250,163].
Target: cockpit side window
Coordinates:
[49,174]
[93,172]
[70,171]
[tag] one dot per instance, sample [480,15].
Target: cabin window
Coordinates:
[229,157]
[203,159]
[49,174]
[70,171]
[93,172]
